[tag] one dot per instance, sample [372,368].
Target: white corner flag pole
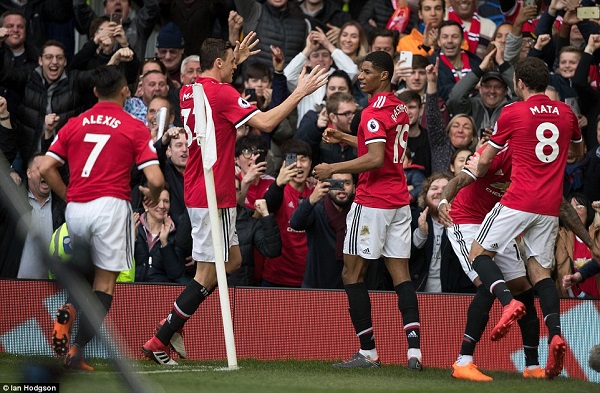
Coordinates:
[203,129]
[161,120]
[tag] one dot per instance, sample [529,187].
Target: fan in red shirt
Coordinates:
[380,211]
[100,145]
[218,61]
[540,132]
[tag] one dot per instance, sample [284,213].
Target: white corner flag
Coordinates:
[205,134]
[161,120]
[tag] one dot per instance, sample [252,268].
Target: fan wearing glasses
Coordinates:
[251,165]
[341,110]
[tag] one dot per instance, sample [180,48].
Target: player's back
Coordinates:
[540,131]
[100,146]
[384,120]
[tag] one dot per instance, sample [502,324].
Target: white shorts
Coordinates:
[202,249]
[508,260]
[373,232]
[106,224]
[502,224]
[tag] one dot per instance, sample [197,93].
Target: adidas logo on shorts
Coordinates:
[494,246]
[366,251]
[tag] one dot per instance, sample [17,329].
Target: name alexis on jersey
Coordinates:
[536,110]
[398,110]
[101,120]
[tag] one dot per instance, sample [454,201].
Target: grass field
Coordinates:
[282,376]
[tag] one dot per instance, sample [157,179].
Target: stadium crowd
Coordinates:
[291,225]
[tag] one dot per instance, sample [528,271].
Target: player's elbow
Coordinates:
[262,122]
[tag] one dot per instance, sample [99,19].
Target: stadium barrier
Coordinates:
[276,324]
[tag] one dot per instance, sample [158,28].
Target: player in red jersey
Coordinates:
[540,132]
[380,211]
[229,110]
[100,146]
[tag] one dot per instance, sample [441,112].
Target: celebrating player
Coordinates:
[539,131]
[218,61]
[99,146]
[380,211]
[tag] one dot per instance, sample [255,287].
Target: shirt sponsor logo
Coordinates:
[187,96]
[243,103]
[373,125]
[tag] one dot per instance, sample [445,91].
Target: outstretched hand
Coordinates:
[307,84]
[244,49]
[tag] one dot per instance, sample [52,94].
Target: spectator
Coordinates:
[415,176]
[455,63]
[434,266]
[385,40]
[258,234]
[172,151]
[323,217]
[381,13]
[519,40]
[154,84]
[458,160]
[190,69]
[17,52]
[250,156]
[318,51]
[327,15]
[571,253]
[169,49]
[269,20]
[590,269]
[315,121]
[47,214]
[137,25]
[283,197]
[198,20]
[460,131]
[156,259]
[48,89]
[353,41]
[478,31]
[38,14]
[422,40]
[493,92]
[418,140]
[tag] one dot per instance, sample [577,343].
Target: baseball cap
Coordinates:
[170,36]
[492,75]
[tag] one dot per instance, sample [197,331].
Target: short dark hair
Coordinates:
[420,62]
[408,96]
[96,23]
[258,71]
[13,12]
[108,81]
[211,50]
[382,61]
[447,23]
[341,74]
[248,142]
[534,73]
[296,146]
[381,32]
[52,43]
[420,5]
[334,101]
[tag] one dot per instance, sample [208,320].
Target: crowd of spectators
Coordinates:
[290,226]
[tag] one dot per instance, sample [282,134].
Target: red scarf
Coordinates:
[466,68]
[471,35]
[400,16]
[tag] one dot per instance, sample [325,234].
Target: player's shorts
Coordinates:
[502,224]
[509,260]
[373,232]
[202,242]
[106,224]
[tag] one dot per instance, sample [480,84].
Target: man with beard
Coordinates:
[323,217]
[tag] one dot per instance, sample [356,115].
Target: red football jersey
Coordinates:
[100,145]
[384,120]
[256,191]
[540,131]
[229,111]
[288,269]
[474,201]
